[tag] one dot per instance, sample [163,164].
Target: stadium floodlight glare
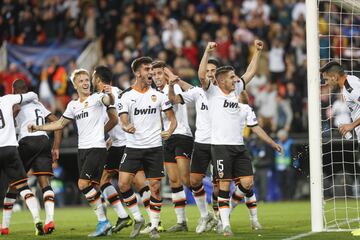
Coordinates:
[332,35]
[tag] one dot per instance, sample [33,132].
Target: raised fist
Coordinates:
[211,46]
[259,45]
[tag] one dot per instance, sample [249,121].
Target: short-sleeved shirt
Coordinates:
[144,110]
[225,114]
[7,126]
[203,127]
[116,134]
[181,115]
[351,93]
[31,113]
[248,118]
[89,116]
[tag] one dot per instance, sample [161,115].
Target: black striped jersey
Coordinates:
[7,125]
[144,110]
[89,116]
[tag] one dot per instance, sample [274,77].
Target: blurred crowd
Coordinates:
[177,31]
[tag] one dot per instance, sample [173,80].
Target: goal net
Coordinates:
[339,40]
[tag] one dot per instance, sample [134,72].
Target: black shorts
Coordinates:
[12,166]
[200,158]
[112,163]
[177,146]
[35,153]
[91,163]
[148,159]
[231,161]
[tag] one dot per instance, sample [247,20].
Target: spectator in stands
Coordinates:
[8,77]
[263,160]
[284,172]
[56,77]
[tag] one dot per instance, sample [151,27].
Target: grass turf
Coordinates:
[280,220]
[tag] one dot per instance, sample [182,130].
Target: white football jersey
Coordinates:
[203,127]
[225,114]
[181,115]
[351,93]
[31,113]
[239,86]
[7,125]
[116,134]
[89,116]
[144,111]
[248,118]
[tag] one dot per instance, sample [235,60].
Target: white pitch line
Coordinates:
[300,236]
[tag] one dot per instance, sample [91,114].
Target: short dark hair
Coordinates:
[214,62]
[140,61]
[158,64]
[332,66]
[104,73]
[20,86]
[223,70]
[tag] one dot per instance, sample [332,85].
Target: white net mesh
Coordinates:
[339,36]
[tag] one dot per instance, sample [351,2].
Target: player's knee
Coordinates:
[155,188]
[247,185]
[185,180]
[195,180]
[82,184]
[43,181]
[124,185]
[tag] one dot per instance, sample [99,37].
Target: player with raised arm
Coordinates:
[101,77]
[140,116]
[89,114]
[230,157]
[349,85]
[10,162]
[177,150]
[35,153]
[249,119]
[201,155]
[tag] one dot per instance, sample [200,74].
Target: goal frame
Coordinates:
[314,113]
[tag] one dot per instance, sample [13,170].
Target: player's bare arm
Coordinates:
[53,126]
[172,80]
[126,125]
[202,67]
[57,138]
[345,128]
[173,123]
[109,98]
[113,119]
[265,137]
[253,66]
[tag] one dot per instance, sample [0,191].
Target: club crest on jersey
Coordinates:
[153,98]
[86,104]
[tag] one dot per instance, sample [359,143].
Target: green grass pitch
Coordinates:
[280,220]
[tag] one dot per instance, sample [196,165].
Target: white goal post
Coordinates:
[335,194]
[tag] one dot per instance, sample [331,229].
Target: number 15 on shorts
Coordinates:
[220,167]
